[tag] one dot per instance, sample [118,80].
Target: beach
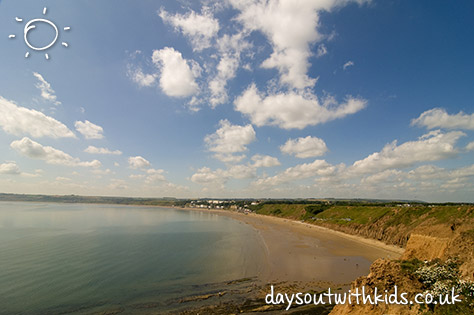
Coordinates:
[306,253]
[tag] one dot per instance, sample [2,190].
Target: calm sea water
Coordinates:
[57,258]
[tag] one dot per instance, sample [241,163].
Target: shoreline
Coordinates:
[240,216]
[306,253]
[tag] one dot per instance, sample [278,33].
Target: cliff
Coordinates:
[429,246]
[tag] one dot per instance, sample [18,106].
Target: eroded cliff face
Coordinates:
[394,232]
[395,235]
[444,242]
[425,242]
[385,275]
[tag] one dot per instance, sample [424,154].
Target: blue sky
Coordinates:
[346,99]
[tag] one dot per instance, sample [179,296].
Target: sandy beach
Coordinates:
[302,252]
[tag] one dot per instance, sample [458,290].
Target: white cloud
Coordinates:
[117,184]
[382,177]
[293,110]
[226,68]
[439,118]
[429,147]
[470,146]
[465,171]
[322,50]
[142,79]
[136,176]
[199,28]
[177,78]
[103,172]
[431,172]
[229,158]
[18,121]
[95,150]
[264,161]
[219,177]
[154,175]
[229,139]
[301,171]
[206,176]
[47,92]
[426,172]
[89,130]
[241,171]
[230,48]
[347,65]
[9,168]
[305,147]
[49,154]
[137,162]
[291,26]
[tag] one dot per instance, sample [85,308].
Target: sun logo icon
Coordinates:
[31,25]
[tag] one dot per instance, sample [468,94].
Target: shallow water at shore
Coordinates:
[63,258]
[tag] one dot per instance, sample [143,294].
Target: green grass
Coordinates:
[410,266]
[356,215]
[290,211]
[408,215]
[447,213]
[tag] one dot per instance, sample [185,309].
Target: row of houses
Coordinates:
[222,204]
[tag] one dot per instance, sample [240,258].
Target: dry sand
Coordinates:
[302,252]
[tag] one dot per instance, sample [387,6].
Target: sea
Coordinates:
[83,258]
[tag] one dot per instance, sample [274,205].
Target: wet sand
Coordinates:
[304,252]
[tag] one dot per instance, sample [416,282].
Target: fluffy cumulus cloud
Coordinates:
[428,178]
[439,118]
[300,171]
[470,146]
[432,173]
[9,168]
[293,110]
[89,130]
[207,176]
[154,175]
[137,75]
[226,68]
[199,28]
[47,93]
[230,139]
[138,162]
[95,150]
[264,161]
[382,177]
[178,76]
[219,177]
[305,147]
[291,27]
[432,146]
[50,155]
[426,172]
[19,121]
[230,48]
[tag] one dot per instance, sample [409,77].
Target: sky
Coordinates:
[238,98]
